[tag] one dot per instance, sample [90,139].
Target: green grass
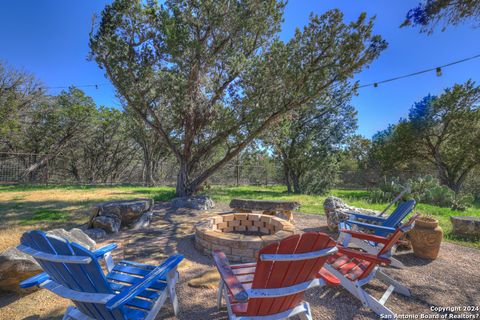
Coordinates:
[27,205]
[45,216]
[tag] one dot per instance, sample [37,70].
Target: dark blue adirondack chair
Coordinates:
[128,291]
[381,226]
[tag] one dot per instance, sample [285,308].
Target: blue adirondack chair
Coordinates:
[128,291]
[381,226]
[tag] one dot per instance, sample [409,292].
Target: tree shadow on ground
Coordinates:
[7,298]
[410,260]
[51,212]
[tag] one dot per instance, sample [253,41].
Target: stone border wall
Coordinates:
[218,233]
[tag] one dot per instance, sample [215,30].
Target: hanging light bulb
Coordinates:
[375,85]
[96,86]
[439,71]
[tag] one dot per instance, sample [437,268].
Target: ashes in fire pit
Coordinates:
[240,235]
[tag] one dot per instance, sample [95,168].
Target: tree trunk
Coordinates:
[183,188]
[31,171]
[148,176]
[286,172]
[296,183]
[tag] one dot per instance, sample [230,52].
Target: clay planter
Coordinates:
[426,237]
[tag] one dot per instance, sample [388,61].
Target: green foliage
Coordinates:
[442,133]
[431,12]
[18,91]
[308,142]
[211,76]
[320,179]
[424,190]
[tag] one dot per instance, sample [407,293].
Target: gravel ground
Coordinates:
[453,280]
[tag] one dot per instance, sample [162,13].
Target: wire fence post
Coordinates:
[46,172]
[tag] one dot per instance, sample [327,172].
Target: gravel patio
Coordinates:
[453,280]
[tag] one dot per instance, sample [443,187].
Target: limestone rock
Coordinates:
[96,233]
[466,226]
[336,210]
[196,202]
[143,221]
[113,215]
[264,205]
[75,235]
[109,224]
[16,266]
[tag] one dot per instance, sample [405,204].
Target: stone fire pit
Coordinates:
[240,235]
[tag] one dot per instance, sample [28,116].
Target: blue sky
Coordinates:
[49,38]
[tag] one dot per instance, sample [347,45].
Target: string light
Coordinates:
[438,71]
[96,86]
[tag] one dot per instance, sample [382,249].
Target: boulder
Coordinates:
[264,205]
[96,233]
[195,202]
[143,221]
[336,210]
[113,215]
[466,226]
[16,266]
[109,224]
[74,235]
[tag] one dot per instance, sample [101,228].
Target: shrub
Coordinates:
[423,189]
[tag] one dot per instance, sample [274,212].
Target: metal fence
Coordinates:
[14,169]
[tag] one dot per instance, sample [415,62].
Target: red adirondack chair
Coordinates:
[356,268]
[273,287]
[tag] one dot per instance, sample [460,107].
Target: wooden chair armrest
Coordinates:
[104,250]
[131,292]
[366,217]
[36,280]
[365,236]
[371,226]
[363,255]
[229,278]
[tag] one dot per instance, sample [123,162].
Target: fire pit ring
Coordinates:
[240,235]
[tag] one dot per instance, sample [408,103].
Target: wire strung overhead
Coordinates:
[96,86]
[438,71]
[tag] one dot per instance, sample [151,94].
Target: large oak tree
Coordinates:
[213,75]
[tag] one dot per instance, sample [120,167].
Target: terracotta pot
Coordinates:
[426,237]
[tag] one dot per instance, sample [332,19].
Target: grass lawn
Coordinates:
[27,207]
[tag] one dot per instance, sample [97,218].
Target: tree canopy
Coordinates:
[442,131]
[210,76]
[308,141]
[429,13]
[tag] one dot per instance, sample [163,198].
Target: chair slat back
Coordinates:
[81,277]
[280,274]
[394,219]
[398,234]
[393,239]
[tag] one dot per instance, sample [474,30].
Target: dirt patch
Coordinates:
[208,280]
